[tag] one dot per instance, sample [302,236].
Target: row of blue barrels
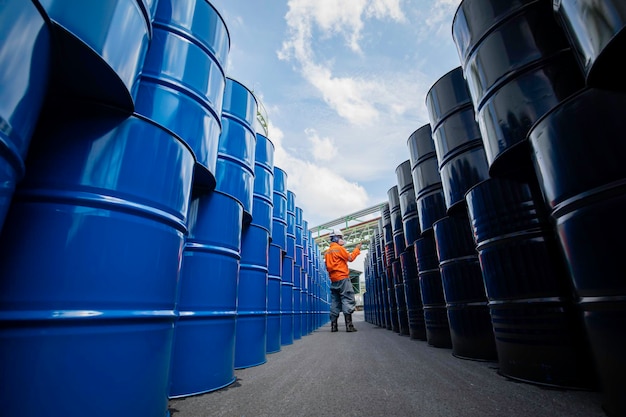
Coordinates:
[136,245]
[527,228]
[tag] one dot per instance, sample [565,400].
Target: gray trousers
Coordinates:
[341,298]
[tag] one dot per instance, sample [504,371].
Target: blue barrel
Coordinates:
[458,143]
[597,33]
[413,294]
[279,213]
[275,272]
[429,195]
[471,331]
[408,205]
[251,335]
[431,288]
[204,338]
[538,330]
[286,302]
[234,172]
[579,157]
[518,65]
[99,48]
[25,68]
[183,78]
[263,194]
[90,261]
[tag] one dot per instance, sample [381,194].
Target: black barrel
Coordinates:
[597,32]
[538,330]
[459,146]
[464,291]
[408,206]
[398,281]
[397,228]
[579,155]
[430,200]
[413,294]
[392,300]
[388,246]
[518,65]
[431,287]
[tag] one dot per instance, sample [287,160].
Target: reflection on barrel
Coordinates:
[587,205]
[397,228]
[597,32]
[105,304]
[518,65]
[468,314]
[538,330]
[23,89]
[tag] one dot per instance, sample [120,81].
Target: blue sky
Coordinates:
[343,84]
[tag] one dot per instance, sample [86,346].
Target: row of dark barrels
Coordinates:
[503,236]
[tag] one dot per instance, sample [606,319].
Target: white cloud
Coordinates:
[322,149]
[354,98]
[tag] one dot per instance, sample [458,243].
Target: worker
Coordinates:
[341,290]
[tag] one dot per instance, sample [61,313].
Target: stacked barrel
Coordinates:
[138,234]
[516,127]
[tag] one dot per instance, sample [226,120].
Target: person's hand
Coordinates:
[358,246]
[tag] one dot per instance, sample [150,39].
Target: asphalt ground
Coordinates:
[377,372]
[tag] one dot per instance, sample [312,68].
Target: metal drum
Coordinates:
[25,52]
[262,200]
[397,228]
[468,313]
[389,249]
[204,339]
[90,260]
[597,32]
[279,212]
[408,205]
[286,302]
[431,289]
[459,146]
[398,283]
[538,330]
[275,271]
[391,299]
[251,335]
[579,157]
[234,172]
[183,78]
[99,48]
[430,199]
[518,65]
[412,292]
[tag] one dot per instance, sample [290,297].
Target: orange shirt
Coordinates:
[337,258]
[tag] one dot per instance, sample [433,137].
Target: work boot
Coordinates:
[349,326]
[333,326]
